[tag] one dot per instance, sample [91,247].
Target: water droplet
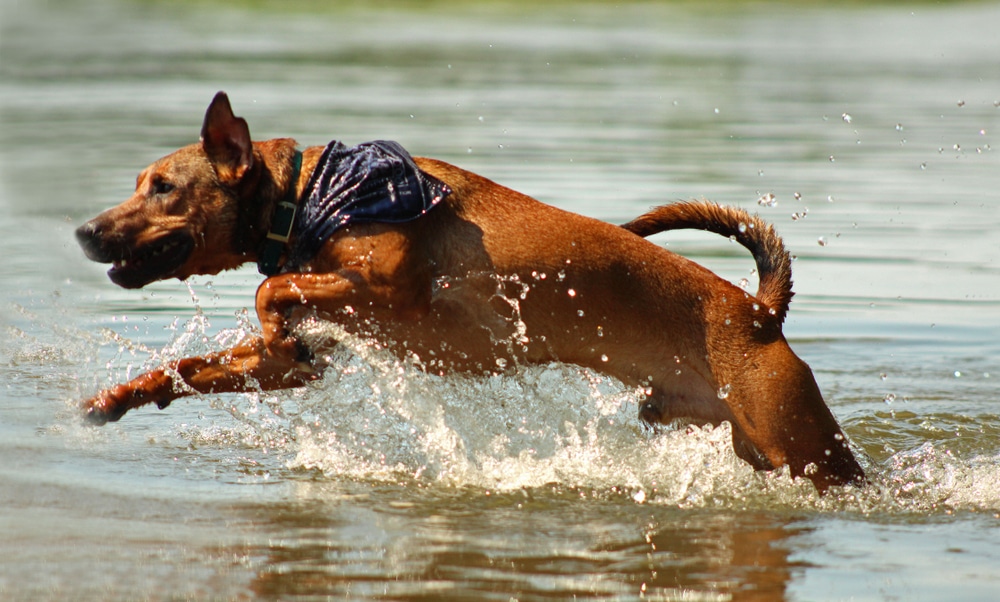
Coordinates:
[798,196]
[742,227]
[744,283]
[847,118]
[724,390]
[728,321]
[604,358]
[822,241]
[768,200]
[889,398]
[899,127]
[923,166]
[961,103]
[639,496]
[571,293]
[600,331]
[579,312]
[832,160]
[958,374]
[883,375]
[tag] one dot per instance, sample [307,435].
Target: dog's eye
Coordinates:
[162,187]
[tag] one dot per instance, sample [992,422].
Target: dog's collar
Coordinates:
[281,225]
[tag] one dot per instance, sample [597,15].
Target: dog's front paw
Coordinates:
[107,406]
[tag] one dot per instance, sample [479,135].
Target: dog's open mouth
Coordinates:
[153,261]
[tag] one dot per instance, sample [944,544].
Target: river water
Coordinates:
[867,134]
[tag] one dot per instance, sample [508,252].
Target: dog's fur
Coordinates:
[488,278]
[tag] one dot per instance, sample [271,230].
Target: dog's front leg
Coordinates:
[275,360]
[247,366]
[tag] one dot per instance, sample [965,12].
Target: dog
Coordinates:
[475,277]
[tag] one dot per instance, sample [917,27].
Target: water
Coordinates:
[869,133]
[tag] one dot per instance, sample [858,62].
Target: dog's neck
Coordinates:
[272,181]
[282,221]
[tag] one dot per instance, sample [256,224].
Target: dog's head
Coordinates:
[184,217]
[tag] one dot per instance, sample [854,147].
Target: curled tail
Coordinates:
[774,264]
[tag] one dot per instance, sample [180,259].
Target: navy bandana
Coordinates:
[372,182]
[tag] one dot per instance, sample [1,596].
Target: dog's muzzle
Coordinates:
[132,265]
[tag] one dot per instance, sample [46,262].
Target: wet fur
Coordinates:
[588,293]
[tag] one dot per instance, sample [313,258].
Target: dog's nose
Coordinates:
[90,237]
[87,233]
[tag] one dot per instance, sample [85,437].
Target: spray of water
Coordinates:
[377,417]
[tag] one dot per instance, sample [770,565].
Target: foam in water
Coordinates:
[376,417]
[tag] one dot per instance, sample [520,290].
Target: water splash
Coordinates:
[377,417]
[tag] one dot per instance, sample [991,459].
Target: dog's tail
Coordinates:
[774,264]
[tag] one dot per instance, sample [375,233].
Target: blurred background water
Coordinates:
[866,133]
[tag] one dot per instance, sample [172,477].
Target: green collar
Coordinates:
[282,222]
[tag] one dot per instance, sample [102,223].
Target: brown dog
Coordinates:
[487,278]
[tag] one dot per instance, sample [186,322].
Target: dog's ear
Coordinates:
[226,140]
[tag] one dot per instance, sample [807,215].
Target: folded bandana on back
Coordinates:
[371,182]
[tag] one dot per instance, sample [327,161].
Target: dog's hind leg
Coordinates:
[664,408]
